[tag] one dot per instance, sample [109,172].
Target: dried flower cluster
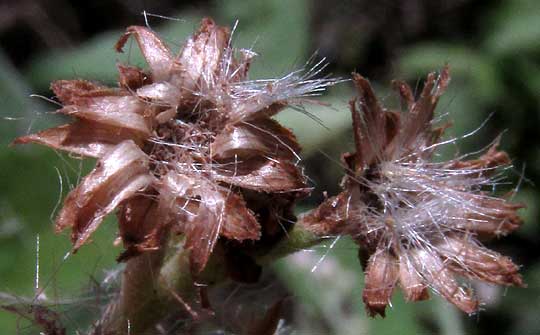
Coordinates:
[417,222]
[188,147]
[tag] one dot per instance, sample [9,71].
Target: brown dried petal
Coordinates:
[440,278]
[200,225]
[219,212]
[103,122]
[163,94]
[240,224]
[405,93]
[124,112]
[175,204]
[418,119]
[262,106]
[202,231]
[237,141]
[381,277]
[495,217]
[240,67]
[411,282]
[369,127]
[201,56]
[477,262]
[142,224]
[259,137]
[264,174]
[132,217]
[118,176]
[330,217]
[68,91]
[131,77]
[156,54]
[486,164]
[83,137]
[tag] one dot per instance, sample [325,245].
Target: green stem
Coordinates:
[297,239]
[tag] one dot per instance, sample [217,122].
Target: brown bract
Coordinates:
[417,222]
[187,146]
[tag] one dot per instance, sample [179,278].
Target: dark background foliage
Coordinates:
[493,48]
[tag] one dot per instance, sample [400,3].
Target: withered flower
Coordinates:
[188,146]
[418,222]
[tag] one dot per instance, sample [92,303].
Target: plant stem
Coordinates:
[158,282]
[297,239]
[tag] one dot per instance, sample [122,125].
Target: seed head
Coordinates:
[186,146]
[418,222]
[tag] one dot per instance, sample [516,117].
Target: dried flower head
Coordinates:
[188,146]
[418,222]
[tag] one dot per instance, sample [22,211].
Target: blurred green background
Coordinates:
[493,48]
